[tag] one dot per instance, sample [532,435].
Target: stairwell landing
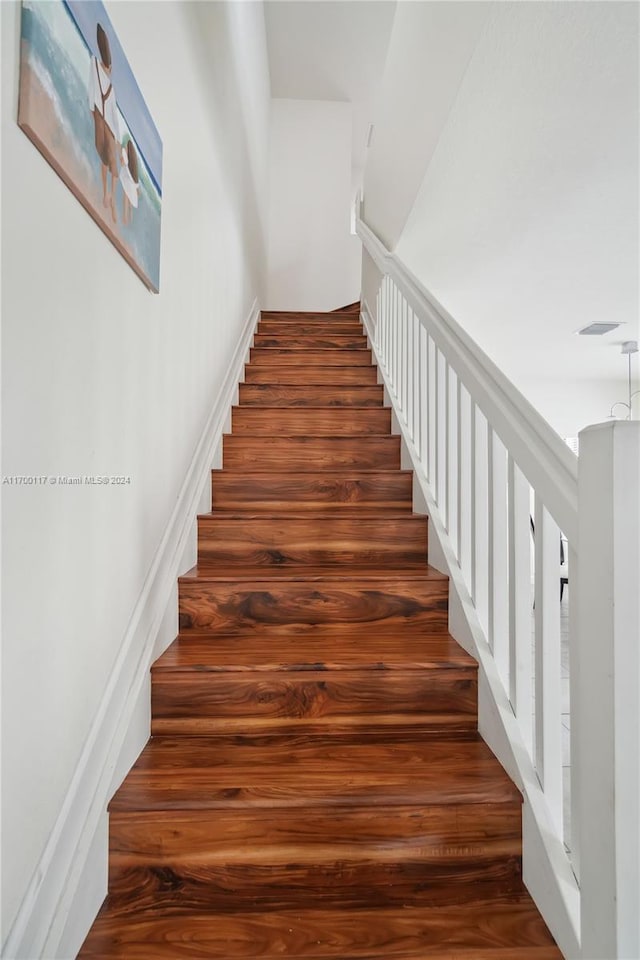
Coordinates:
[315,785]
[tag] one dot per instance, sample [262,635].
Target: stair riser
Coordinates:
[437,831]
[343,884]
[310,422]
[307,374]
[317,328]
[299,607]
[280,357]
[302,453]
[308,341]
[312,316]
[282,541]
[310,492]
[266,395]
[347,702]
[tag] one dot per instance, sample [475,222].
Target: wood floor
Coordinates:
[315,786]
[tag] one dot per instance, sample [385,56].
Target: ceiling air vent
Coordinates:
[597,329]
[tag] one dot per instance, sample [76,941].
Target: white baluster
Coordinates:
[437,431]
[464,491]
[405,361]
[459,462]
[498,614]
[481,520]
[422,396]
[446,510]
[430,411]
[520,601]
[472,484]
[396,342]
[548,672]
[412,375]
[452,459]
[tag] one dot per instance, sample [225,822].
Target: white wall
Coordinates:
[526,223]
[571,405]
[430,47]
[102,377]
[314,262]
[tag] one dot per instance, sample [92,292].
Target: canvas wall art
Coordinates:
[80,104]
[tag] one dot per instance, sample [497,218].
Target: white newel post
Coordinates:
[607,774]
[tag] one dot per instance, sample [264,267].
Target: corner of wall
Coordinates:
[70,881]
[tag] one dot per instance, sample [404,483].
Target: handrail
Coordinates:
[546,461]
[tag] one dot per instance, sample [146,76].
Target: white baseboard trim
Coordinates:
[547,873]
[69,882]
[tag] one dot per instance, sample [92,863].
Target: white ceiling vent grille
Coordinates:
[597,329]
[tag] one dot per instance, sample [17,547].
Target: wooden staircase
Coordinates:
[315,786]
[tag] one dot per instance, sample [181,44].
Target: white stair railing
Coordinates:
[505,489]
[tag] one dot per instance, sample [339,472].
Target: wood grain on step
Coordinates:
[508,928]
[286,454]
[315,738]
[310,316]
[311,341]
[345,327]
[308,373]
[301,395]
[344,490]
[323,540]
[354,308]
[438,832]
[281,357]
[308,702]
[311,421]
[383,879]
[256,654]
[196,773]
[241,606]
[317,573]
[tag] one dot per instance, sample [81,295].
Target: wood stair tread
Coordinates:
[330,572]
[311,412]
[507,929]
[304,315]
[334,473]
[330,437]
[199,773]
[287,653]
[320,513]
[312,374]
[310,397]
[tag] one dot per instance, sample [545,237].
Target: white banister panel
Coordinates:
[395,340]
[481,520]
[465,470]
[443,420]
[498,556]
[415,395]
[472,496]
[546,461]
[504,488]
[405,359]
[452,457]
[420,394]
[548,707]
[431,416]
[520,601]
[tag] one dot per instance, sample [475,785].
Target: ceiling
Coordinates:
[330,50]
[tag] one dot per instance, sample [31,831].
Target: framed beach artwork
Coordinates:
[81,106]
